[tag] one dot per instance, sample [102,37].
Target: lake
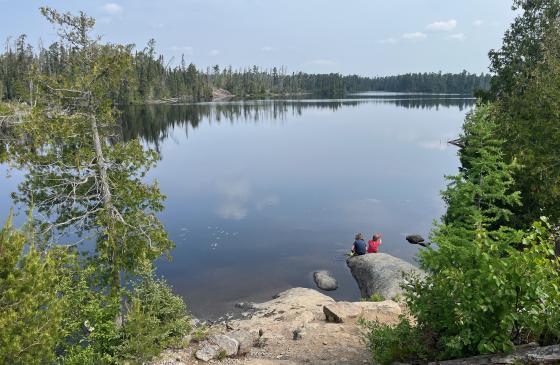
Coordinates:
[262,193]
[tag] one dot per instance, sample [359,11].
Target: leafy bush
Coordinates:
[156,319]
[395,343]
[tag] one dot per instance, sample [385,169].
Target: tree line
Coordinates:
[151,78]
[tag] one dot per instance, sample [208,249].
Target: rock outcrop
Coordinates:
[289,329]
[386,311]
[325,280]
[380,273]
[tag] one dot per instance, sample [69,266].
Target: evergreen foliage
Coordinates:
[30,308]
[530,118]
[489,286]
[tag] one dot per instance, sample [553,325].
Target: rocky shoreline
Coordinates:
[301,325]
[298,326]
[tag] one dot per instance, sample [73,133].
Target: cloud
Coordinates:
[456,37]
[235,190]
[478,22]
[112,8]
[416,36]
[267,49]
[387,41]
[232,210]
[187,50]
[322,62]
[214,52]
[235,197]
[442,26]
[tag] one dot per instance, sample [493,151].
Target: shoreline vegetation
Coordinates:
[491,279]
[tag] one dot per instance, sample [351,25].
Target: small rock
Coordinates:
[325,280]
[207,352]
[414,239]
[225,343]
[244,339]
[297,334]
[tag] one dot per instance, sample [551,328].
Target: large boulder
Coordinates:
[380,273]
[325,280]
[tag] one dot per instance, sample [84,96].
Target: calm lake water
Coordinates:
[263,193]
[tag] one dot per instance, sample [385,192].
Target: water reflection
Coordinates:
[152,123]
[262,193]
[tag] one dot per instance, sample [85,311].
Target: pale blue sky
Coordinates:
[368,37]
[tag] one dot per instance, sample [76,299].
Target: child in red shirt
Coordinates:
[373,244]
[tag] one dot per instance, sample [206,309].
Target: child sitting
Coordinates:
[373,244]
[359,245]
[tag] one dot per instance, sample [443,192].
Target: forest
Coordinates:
[151,78]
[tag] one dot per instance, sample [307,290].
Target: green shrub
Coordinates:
[31,310]
[156,319]
[388,344]
[373,298]
[89,324]
[200,333]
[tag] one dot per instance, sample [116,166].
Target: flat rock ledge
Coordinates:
[380,274]
[297,326]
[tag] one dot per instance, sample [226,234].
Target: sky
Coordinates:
[366,37]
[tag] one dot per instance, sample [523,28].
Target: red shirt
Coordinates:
[373,246]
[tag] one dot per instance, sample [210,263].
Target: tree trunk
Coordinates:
[106,193]
[108,202]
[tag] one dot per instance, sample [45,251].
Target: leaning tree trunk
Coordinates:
[106,195]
